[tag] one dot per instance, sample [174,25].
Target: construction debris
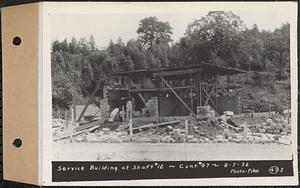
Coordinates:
[151,125]
[272,128]
[88,125]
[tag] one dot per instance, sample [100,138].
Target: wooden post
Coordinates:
[191,93]
[198,88]
[72,124]
[158,99]
[186,123]
[191,96]
[200,93]
[216,91]
[123,114]
[205,85]
[66,118]
[74,113]
[130,130]
[228,80]
[144,81]
[59,113]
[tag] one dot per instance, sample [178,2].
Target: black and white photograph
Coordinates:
[163,84]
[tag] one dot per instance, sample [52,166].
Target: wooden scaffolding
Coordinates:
[192,85]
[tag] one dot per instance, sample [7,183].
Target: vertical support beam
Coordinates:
[144,80]
[73,123]
[200,85]
[129,87]
[74,114]
[198,88]
[130,129]
[191,92]
[158,98]
[228,80]
[186,124]
[120,80]
[216,90]
[205,87]
[66,118]
[191,96]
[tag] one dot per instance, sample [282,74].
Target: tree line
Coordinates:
[219,38]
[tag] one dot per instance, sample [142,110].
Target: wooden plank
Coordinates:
[144,126]
[230,126]
[141,97]
[77,133]
[88,125]
[155,125]
[175,72]
[155,89]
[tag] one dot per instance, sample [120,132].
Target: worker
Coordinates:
[129,109]
[122,114]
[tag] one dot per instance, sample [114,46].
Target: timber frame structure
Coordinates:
[192,85]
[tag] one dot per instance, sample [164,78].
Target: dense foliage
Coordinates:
[219,38]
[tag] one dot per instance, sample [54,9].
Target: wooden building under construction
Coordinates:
[175,91]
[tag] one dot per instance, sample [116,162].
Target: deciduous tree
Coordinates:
[152,31]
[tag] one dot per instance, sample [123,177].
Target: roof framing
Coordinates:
[172,71]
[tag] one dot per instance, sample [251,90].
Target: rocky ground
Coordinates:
[257,130]
[264,137]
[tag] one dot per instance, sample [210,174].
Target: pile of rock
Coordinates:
[178,135]
[275,129]
[58,122]
[104,136]
[274,125]
[203,111]
[253,138]
[152,106]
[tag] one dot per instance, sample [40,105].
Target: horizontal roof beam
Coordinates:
[176,72]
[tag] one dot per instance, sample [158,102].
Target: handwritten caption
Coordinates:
[234,167]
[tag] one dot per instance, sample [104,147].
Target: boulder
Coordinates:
[237,140]
[125,139]
[189,137]
[219,137]
[155,139]
[269,121]
[286,140]
[194,140]
[262,130]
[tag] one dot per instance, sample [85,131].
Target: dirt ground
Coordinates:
[66,151]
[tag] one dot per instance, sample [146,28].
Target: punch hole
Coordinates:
[17,142]
[16,41]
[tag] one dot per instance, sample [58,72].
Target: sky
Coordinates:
[107,26]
